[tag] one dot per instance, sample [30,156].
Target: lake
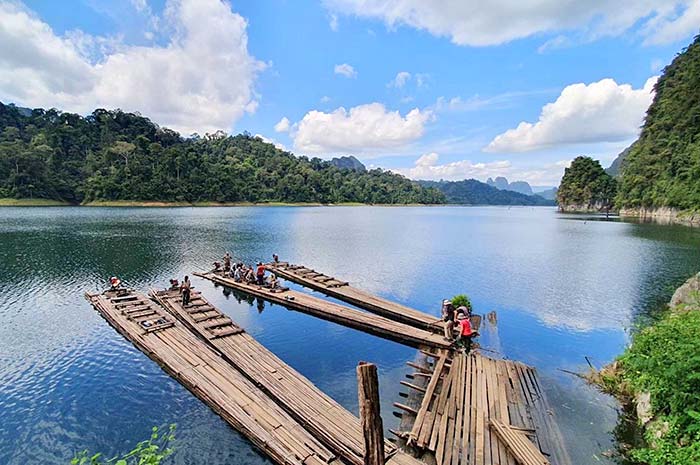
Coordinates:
[563,287]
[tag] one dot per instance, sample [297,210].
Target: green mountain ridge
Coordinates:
[662,168]
[119,156]
[473,192]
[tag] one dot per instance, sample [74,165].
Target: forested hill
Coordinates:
[113,155]
[473,192]
[662,168]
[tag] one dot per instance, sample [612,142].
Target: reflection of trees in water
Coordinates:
[627,433]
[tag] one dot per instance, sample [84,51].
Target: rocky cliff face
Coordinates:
[663,215]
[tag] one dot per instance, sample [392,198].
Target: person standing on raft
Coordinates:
[185,290]
[260,274]
[448,316]
[227,263]
[465,332]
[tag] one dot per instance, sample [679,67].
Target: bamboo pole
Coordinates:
[372,427]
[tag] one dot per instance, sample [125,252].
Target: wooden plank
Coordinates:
[343,291]
[521,447]
[356,319]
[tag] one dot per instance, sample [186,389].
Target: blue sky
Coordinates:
[431,89]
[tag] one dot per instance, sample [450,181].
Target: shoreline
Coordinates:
[8,202]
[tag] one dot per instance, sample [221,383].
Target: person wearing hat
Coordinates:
[448,316]
[260,274]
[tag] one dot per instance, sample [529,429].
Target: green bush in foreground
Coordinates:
[664,360]
[149,452]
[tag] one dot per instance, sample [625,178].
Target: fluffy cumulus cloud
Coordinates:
[476,23]
[282,125]
[345,70]
[603,111]
[368,129]
[427,167]
[202,80]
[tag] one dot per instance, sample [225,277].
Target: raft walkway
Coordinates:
[477,410]
[332,424]
[356,319]
[276,408]
[342,290]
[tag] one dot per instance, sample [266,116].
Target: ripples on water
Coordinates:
[563,288]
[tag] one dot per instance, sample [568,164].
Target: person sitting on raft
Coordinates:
[464,338]
[275,258]
[260,274]
[238,273]
[250,276]
[448,316]
[272,281]
[174,285]
[114,283]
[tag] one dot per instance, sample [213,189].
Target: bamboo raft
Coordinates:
[342,290]
[476,410]
[332,424]
[363,321]
[201,370]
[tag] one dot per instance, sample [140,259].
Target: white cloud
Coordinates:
[345,70]
[402,77]
[427,168]
[202,80]
[333,22]
[602,111]
[555,43]
[366,128]
[282,125]
[428,159]
[669,28]
[656,65]
[477,23]
[271,141]
[325,99]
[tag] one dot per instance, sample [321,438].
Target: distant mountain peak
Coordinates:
[349,163]
[502,183]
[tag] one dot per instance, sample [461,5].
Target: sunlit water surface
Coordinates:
[563,288]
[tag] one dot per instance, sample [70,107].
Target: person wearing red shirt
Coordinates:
[465,332]
[260,274]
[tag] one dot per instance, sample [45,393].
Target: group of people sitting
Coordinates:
[241,273]
[461,318]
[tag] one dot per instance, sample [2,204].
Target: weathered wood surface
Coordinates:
[342,290]
[209,377]
[332,424]
[370,415]
[363,321]
[467,398]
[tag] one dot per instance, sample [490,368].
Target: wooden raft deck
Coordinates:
[342,290]
[332,424]
[369,323]
[482,411]
[213,380]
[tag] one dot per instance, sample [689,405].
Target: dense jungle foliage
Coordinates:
[586,184]
[662,168]
[113,155]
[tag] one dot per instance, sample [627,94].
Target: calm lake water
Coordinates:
[563,287]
